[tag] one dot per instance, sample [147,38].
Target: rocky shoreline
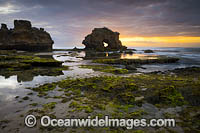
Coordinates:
[141,96]
[120,94]
[111,85]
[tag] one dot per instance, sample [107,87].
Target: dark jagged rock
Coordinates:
[99,36]
[24,37]
[22,25]
[148,51]
[4,27]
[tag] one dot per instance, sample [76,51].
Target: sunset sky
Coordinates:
[159,23]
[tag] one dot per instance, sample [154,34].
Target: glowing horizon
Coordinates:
[168,41]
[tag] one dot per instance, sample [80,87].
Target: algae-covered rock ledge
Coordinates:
[139,96]
[13,63]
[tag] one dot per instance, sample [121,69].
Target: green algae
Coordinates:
[115,95]
[79,107]
[44,88]
[108,69]
[170,96]
[7,52]
[31,65]
[10,66]
[29,59]
[16,57]
[30,93]
[34,104]
[160,59]
[137,114]
[37,61]
[25,98]
[50,106]
[190,119]
[117,107]
[4,122]
[138,131]
[126,89]
[62,68]
[105,88]
[64,100]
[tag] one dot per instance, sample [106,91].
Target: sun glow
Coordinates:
[157,41]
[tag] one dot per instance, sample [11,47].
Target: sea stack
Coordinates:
[101,36]
[24,37]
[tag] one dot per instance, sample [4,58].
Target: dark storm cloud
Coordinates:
[70,20]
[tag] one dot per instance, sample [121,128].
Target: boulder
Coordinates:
[103,39]
[24,37]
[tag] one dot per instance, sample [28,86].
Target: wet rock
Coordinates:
[139,98]
[151,109]
[24,37]
[148,51]
[103,39]
[128,52]
[76,49]
[131,67]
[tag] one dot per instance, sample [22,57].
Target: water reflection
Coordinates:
[94,55]
[10,82]
[28,75]
[13,83]
[7,88]
[138,56]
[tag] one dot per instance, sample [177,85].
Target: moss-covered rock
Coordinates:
[108,69]
[160,59]
[37,61]
[7,52]
[43,89]
[116,96]
[14,66]
[49,105]
[168,96]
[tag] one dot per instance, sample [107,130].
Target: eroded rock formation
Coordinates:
[24,37]
[103,39]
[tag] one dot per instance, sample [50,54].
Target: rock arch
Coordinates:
[99,36]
